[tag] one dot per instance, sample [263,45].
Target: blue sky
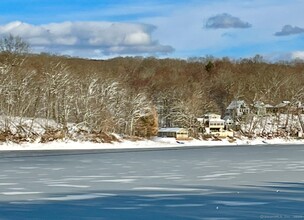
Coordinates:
[178,29]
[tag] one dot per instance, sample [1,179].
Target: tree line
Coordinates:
[134,95]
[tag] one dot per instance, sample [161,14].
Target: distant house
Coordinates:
[214,125]
[300,107]
[259,108]
[269,109]
[178,133]
[229,123]
[237,108]
[212,122]
[209,117]
[281,107]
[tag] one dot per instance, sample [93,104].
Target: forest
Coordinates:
[131,96]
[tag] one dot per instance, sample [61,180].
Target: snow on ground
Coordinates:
[155,143]
[39,126]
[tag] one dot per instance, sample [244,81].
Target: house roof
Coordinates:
[259,104]
[268,106]
[228,118]
[171,129]
[236,104]
[211,114]
[217,120]
[282,105]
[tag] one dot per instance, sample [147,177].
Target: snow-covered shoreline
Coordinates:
[156,143]
[48,135]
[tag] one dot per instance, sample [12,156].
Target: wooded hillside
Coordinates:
[132,95]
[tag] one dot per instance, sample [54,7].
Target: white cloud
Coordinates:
[182,27]
[81,38]
[138,38]
[297,55]
[286,56]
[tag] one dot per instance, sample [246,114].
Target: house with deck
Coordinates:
[213,124]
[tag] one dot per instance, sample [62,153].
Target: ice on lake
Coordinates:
[235,182]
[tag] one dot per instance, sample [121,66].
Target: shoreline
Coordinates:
[154,144]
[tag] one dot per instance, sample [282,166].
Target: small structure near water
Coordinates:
[178,133]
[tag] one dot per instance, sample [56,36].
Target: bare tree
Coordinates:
[56,93]
[14,45]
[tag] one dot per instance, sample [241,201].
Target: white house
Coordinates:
[214,125]
[237,108]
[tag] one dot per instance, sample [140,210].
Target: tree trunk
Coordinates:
[301,120]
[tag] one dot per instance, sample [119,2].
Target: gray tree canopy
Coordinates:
[14,44]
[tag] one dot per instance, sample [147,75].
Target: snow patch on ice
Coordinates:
[78,197]
[114,181]
[19,193]
[184,205]
[8,184]
[239,203]
[68,185]
[153,188]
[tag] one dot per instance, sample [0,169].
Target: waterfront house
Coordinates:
[178,133]
[214,125]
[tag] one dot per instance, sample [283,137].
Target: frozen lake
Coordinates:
[244,182]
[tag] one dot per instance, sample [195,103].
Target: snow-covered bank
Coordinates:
[155,143]
[19,134]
